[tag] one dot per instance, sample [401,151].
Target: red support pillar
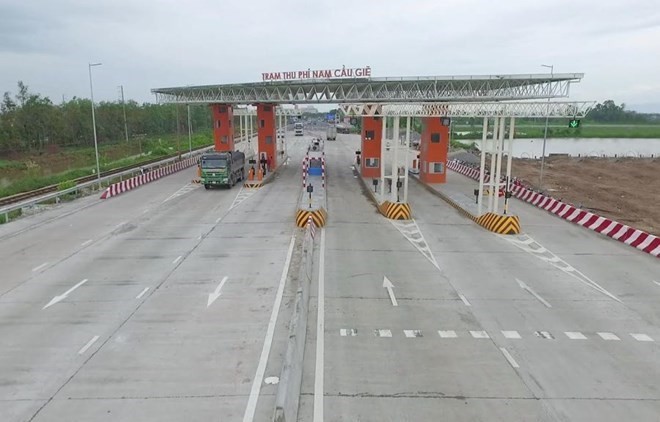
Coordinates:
[372,135]
[433,150]
[266,131]
[223,127]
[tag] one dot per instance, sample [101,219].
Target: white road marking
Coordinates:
[178,258]
[388,285]
[575,335]
[343,332]
[187,188]
[265,351]
[657,282]
[216,293]
[352,332]
[464,299]
[142,293]
[609,336]
[544,334]
[320,336]
[88,345]
[383,333]
[35,269]
[87,242]
[447,334]
[509,358]
[56,299]
[641,337]
[479,334]
[218,220]
[120,224]
[525,242]
[272,380]
[410,230]
[511,334]
[533,293]
[412,333]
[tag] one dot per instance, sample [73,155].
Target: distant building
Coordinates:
[308,109]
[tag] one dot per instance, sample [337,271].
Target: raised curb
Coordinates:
[287,397]
[638,239]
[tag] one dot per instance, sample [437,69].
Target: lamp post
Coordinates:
[189,132]
[96,144]
[545,132]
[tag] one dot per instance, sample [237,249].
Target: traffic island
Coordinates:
[390,209]
[457,196]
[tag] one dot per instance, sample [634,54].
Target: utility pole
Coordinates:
[123,103]
[545,132]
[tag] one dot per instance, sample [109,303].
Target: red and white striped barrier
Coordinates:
[323,171]
[311,226]
[304,170]
[630,236]
[132,183]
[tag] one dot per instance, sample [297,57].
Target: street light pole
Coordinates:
[123,103]
[96,143]
[189,131]
[545,132]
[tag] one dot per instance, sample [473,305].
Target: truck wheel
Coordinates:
[242,175]
[206,186]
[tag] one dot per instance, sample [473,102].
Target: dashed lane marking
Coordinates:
[483,334]
[412,333]
[511,334]
[509,358]
[575,335]
[641,337]
[88,345]
[609,336]
[479,334]
[464,299]
[383,333]
[142,293]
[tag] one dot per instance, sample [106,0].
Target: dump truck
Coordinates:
[331,133]
[222,168]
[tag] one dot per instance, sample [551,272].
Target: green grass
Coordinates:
[11,214]
[85,161]
[585,131]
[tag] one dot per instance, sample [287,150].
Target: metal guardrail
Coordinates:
[7,210]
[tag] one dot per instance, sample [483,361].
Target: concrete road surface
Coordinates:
[171,303]
[556,324]
[151,306]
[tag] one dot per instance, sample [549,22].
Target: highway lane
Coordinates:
[141,338]
[487,345]
[622,270]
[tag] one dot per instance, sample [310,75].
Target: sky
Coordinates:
[145,44]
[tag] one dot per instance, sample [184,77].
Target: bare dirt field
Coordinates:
[623,189]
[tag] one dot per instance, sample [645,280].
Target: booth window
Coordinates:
[269,139]
[369,134]
[435,138]
[225,139]
[371,162]
[437,168]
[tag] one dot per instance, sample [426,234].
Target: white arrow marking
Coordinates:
[533,293]
[217,293]
[63,296]
[388,285]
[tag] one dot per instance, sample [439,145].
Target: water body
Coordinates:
[590,147]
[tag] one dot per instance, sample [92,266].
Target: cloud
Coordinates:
[151,43]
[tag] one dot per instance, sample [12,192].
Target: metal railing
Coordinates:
[5,211]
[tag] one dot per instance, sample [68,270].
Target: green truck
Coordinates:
[222,168]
